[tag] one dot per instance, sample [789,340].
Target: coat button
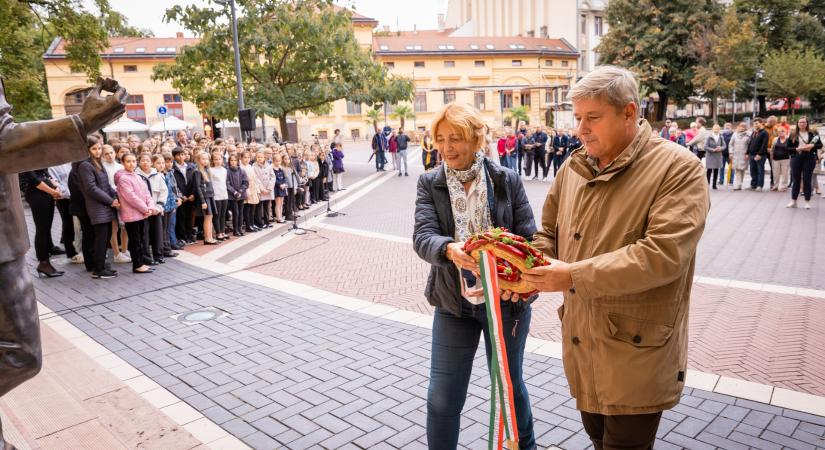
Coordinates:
[572,290]
[577,236]
[576,340]
[637,339]
[591,184]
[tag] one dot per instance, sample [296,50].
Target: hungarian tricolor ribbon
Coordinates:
[503,432]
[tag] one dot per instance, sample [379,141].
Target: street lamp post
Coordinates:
[238,83]
[759,73]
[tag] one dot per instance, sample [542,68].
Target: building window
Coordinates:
[598,25]
[583,25]
[564,91]
[449,96]
[389,108]
[531,33]
[479,63]
[135,109]
[353,108]
[174,105]
[449,64]
[548,96]
[419,64]
[420,102]
[565,63]
[119,50]
[506,100]
[140,50]
[544,32]
[525,99]
[479,101]
[516,63]
[130,68]
[356,134]
[389,65]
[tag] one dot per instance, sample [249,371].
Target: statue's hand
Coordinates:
[98,111]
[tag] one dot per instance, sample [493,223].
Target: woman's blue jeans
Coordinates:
[455,341]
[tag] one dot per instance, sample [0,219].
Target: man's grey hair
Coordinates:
[614,84]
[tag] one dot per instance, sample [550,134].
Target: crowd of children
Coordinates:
[144,200]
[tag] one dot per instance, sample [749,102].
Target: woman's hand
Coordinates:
[461,259]
[509,296]
[115,204]
[203,206]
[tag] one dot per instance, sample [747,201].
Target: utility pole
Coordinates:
[238,83]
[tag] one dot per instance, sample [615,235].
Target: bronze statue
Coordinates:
[23,147]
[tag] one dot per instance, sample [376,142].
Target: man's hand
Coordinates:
[757,158]
[551,278]
[97,111]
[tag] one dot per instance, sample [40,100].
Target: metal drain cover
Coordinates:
[200,315]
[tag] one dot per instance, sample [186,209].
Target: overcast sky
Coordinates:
[423,13]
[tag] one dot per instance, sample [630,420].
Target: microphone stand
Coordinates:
[295,228]
[330,211]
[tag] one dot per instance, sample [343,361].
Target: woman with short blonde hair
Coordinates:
[468,194]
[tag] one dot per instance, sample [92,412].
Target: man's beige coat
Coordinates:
[630,233]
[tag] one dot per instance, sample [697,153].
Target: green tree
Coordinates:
[788,74]
[373,116]
[729,54]
[402,113]
[30,26]
[296,55]
[774,19]
[518,114]
[653,38]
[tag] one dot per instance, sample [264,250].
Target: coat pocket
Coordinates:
[637,332]
[560,312]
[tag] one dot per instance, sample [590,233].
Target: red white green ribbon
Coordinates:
[503,429]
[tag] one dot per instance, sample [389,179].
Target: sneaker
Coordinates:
[121,258]
[76,259]
[105,274]
[792,204]
[807,205]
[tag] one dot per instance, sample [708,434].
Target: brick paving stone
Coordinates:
[816,430]
[375,436]
[239,428]
[712,406]
[786,441]
[690,427]
[721,426]
[720,442]
[736,413]
[812,439]
[753,441]
[555,436]
[576,442]
[686,442]
[758,419]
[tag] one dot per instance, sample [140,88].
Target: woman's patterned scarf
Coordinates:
[468,222]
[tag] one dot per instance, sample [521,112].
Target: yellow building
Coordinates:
[492,73]
[130,61]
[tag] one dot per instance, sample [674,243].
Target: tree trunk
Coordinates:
[402,122]
[375,126]
[714,106]
[762,107]
[661,110]
[284,129]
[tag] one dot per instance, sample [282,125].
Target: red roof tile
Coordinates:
[133,47]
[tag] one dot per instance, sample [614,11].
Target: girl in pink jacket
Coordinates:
[136,205]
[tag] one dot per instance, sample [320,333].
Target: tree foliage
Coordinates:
[518,114]
[296,55]
[729,53]
[774,19]
[373,116]
[654,39]
[29,27]
[788,73]
[402,113]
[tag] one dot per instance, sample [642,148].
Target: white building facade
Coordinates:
[582,23]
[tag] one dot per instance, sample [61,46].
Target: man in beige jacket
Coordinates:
[622,222]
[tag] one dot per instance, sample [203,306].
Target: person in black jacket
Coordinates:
[758,154]
[803,146]
[236,185]
[77,208]
[469,194]
[560,143]
[184,176]
[40,193]
[100,200]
